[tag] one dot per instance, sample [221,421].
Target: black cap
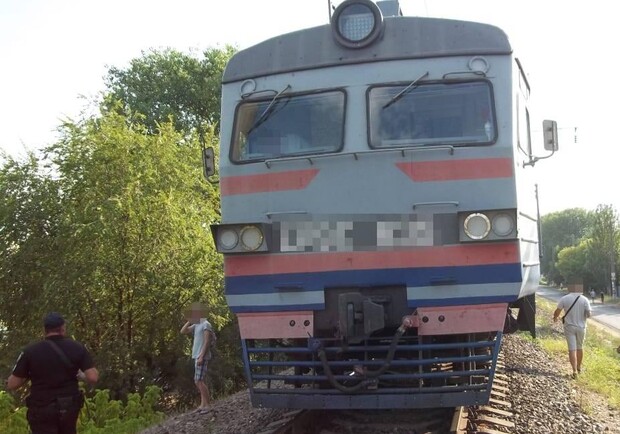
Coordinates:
[53,320]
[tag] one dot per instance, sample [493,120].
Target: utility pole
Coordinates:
[613,272]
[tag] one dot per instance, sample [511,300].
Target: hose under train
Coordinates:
[369,375]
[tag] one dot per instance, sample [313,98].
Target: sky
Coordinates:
[55,53]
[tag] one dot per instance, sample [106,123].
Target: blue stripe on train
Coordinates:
[410,277]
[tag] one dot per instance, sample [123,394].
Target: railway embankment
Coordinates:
[546,400]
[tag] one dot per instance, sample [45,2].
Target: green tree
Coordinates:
[559,230]
[111,226]
[30,214]
[115,234]
[135,241]
[605,234]
[575,264]
[169,85]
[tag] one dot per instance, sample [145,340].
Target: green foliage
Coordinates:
[581,246]
[575,264]
[605,233]
[110,226]
[137,243]
[100,414]
[12,419]
[604,378]
[170,85]
[30,212]
[559,230]
[118,240]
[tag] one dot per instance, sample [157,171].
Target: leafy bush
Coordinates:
[100,414]
[12,419]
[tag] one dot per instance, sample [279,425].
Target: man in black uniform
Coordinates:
[53,366]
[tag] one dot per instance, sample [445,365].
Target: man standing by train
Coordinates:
[53,366]
[577,310]
[204,339]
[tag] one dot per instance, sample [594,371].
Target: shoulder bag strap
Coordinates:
[61,354]
[571,306]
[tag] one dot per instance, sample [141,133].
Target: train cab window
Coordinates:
[289,126]
[455,113]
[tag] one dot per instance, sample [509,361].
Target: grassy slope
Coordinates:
[601,362]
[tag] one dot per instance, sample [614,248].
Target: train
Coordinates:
[379,218]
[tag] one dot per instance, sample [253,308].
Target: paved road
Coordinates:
[608,316]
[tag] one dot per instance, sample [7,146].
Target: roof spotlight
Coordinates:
[357,23]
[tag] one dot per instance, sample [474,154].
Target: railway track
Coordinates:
[433,421]
[493,418]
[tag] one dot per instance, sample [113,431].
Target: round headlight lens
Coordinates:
[228,239]
[251,238]
[357,23]
[478,64]
[503,225]
[477,226]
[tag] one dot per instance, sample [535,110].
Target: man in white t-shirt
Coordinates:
[576,309]
[201,350]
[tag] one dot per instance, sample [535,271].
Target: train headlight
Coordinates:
[251,238]
[488,225]
[477,226]
[241,238]
[357,23]
[503,225]
[228,239]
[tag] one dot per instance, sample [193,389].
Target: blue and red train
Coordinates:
[378,218]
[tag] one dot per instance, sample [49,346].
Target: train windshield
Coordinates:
[288,126]
[455,113]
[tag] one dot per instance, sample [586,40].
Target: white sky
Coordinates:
[53,53]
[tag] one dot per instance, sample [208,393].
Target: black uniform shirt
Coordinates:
[49,375]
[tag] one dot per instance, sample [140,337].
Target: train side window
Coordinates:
[524,140]
[292,125]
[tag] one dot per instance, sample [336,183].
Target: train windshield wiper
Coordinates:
[268,111]
[405,91]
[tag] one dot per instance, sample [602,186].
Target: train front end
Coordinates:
[369,211]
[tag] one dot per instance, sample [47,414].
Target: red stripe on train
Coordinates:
[444,256]
[278,181]
[425,171]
